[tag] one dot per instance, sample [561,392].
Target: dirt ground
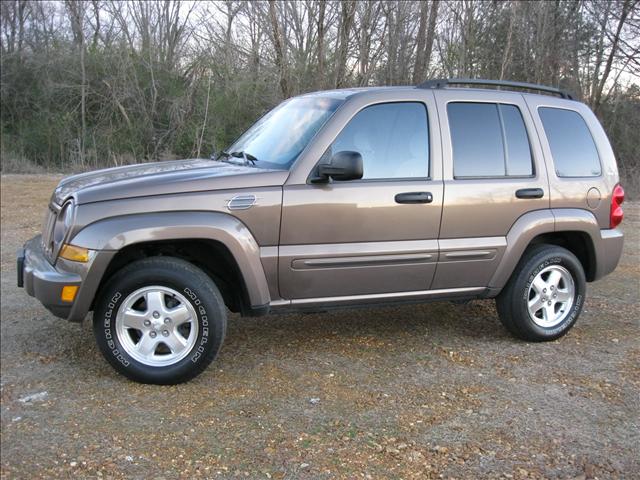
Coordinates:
[429,391]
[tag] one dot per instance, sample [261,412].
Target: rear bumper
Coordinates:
[608,251]
[42,280]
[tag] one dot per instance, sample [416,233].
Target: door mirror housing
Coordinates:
[345,165]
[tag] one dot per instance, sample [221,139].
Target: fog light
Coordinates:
[75,254]
[68,293]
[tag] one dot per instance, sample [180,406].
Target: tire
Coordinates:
[158,300]
[544,296]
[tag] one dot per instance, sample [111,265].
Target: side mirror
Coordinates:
[343,166]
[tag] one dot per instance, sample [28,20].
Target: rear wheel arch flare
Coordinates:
[577,242]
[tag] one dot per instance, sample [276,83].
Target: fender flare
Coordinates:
[113,234]
[538,222]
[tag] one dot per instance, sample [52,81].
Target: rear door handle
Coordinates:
[530,193]
[414,197]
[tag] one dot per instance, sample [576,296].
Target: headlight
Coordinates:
[64,221]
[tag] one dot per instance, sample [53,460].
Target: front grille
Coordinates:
[47,230]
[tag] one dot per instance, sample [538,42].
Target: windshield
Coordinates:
[276,140]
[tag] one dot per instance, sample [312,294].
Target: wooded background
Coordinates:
[86,84]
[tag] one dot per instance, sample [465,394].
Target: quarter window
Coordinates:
[517,148]
[488,140]
[572,147]
[393,139]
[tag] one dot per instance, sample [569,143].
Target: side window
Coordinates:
[393,139]
[488,140]
[517,148]
[572,147]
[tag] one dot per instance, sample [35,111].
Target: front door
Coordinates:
[373,236]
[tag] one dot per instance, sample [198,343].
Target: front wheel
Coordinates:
[160,320]
[545,294]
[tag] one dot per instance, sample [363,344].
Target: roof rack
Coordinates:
[443,82]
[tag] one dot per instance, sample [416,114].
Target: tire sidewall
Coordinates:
[210,318]
[547,258]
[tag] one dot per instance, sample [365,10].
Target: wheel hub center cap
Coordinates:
[157,324]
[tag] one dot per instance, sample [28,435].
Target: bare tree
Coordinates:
[14,15]
[278,43]
[627,6]
[426,36]
[321,40]
[119,81]
[77,10]
[347,13]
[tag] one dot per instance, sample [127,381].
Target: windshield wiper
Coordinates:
[246,156]
[218,156]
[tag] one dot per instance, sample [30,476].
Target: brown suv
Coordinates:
[339,198]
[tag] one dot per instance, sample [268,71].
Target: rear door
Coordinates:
[367,237]
[494,173]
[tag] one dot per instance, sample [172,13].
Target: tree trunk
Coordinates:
[431,34]
[506,57]
[96,30]
[206,114]
[76,12]
[321,32]
[597,100]
[279,49]
[346,21]
[419,69]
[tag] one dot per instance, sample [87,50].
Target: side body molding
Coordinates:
[114,233]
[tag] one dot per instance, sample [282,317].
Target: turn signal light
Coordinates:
[616,215]
[75,254]
[69,293]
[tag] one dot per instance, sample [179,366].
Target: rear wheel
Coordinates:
[545,294]
[160,320]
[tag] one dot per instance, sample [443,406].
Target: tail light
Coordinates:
[616,215]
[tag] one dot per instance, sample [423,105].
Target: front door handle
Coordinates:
[530,193]
[414,197]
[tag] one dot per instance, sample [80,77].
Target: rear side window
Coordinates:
[572,147]
[517,148]
[393,139]
[488,140]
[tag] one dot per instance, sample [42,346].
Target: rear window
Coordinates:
[572,147]
[488,140]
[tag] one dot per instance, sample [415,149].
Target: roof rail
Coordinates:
[443,82]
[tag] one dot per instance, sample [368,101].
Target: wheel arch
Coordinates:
[216,242]
[211,256]
[574,229]
[577,242]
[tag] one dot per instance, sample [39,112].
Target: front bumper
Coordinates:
[42,280]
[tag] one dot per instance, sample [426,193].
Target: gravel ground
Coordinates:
[428,391]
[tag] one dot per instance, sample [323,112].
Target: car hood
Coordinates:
[161,178]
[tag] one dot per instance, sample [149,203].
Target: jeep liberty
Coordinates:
[444,191]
